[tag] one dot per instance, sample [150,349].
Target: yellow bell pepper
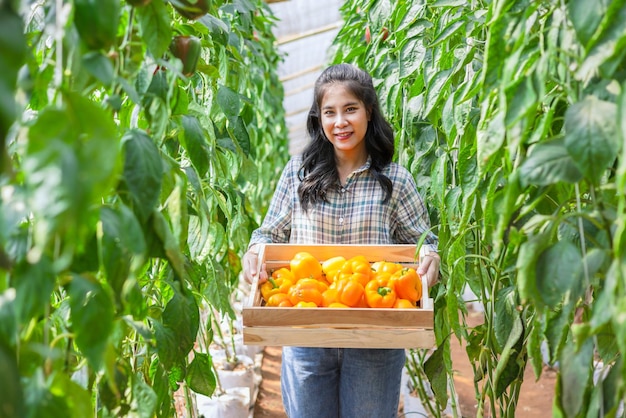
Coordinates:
[332,266]
[303,264]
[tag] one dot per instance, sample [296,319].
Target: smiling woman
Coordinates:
[344,189]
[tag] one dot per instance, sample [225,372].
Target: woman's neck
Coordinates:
[348,163]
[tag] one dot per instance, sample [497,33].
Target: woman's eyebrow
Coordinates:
[343,105]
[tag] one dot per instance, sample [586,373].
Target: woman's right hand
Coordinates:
[251,266]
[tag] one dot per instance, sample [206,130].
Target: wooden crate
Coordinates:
[338,327]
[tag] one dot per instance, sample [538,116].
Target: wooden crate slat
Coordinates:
[345,338]
[338,317]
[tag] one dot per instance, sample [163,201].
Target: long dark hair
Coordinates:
[318,173]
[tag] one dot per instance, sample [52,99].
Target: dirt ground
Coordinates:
[535,397]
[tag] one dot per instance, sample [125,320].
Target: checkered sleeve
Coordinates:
[276,226]
[411,216]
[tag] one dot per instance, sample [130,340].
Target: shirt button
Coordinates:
[341,220]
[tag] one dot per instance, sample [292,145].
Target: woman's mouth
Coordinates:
[343,135]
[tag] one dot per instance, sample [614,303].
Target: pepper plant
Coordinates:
[510,114]
[139,144]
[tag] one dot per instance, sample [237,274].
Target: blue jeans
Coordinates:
[341,382]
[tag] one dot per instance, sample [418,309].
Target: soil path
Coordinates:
[535,399]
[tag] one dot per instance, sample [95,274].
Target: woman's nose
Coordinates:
[341,120]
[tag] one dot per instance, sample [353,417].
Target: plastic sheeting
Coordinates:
[305,31]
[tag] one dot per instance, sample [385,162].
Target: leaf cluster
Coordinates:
[128,191]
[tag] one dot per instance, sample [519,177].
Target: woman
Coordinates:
[344,189]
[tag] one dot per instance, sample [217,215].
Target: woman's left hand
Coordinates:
[429,267]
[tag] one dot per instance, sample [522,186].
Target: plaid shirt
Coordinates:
[355,214]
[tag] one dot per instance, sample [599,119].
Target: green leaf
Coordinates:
[217,289]
[506,314]
[229,102]
[200,377]
[194,141]
[34,284]
[199,245]
[97,22]
[522,100]
[13,50]
[412,56]
[92,317]
[41,402]
[8,318]
[508,368]
[176,334]
[122,242]
[78,398]
[143,172]
[558,272]
[526,262]
[446,33]
[610,387]
[99,66]
[490,138]
[437,375]
[156,27]
[169,243]
[448,3]
[144,399]
[409,17]
[437,87]
[240,133]
[586,17]
[161,387]
[548,163]
[84,132]
[11,395]
[575,376]
[608,45]
[592,137]
[535,341]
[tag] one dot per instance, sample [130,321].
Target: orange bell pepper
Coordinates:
[307,290]
[280,300]
[404,304]
[407,284]
[331,267]
[303,264]
[356,268]
[379,294]
[349,292]
[362,303]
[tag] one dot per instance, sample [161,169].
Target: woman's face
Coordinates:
[344,119]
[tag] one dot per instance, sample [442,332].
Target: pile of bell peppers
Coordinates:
[342,283]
